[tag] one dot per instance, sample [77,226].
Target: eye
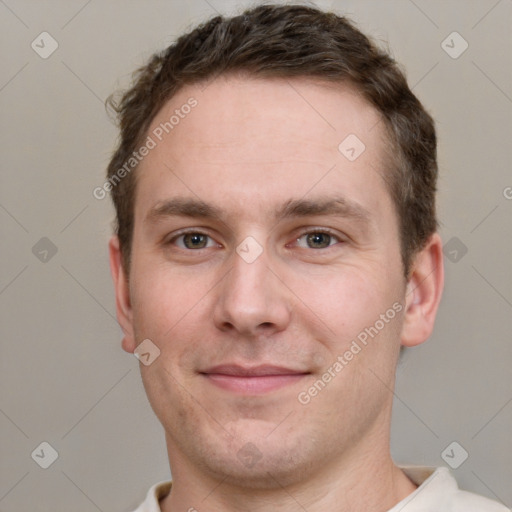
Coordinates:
[317,240]
[193,240]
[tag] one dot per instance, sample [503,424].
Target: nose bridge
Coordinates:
[248,282]
[250,269]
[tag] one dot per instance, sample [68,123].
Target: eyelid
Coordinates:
[327,231]
[188,231]
[309,230]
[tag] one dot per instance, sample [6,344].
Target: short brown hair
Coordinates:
[288,41]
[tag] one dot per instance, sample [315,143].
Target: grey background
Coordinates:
[63,376]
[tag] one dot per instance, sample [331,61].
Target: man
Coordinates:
[276,245]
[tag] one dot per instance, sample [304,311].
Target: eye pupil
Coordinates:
[194,241]
[318,240]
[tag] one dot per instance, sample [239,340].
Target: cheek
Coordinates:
[344,312]
[164,301]
[346,299]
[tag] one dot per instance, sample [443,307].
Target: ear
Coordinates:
[123,303]
[424,289]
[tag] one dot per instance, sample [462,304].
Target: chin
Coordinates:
[260,463]
[265,474]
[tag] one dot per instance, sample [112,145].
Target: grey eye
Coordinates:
[317,240]
[193,241]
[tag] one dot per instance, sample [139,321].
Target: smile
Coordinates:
[252,381]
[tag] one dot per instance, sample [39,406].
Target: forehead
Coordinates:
[234,109]
[268,138]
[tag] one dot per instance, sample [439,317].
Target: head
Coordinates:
[287,42]
[285,217]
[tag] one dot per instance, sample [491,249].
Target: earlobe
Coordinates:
[122,291]
[423,293]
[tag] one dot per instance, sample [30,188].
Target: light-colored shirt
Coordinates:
[437,492]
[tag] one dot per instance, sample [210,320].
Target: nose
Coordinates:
[252,299]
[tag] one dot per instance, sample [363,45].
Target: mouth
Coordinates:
[254,380]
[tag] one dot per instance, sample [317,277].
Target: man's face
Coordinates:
[252,300]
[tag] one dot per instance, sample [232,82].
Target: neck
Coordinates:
[363,479]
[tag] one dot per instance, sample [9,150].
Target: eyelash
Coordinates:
[322,231]
[309,231]
[173,240]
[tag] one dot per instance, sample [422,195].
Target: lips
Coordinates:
[254,371]
[252,380]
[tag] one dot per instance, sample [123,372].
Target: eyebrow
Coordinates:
[293,208]
[338,206]
[183,207]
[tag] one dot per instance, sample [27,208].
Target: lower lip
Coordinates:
[253,385]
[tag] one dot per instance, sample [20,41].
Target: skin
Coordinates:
[249,147]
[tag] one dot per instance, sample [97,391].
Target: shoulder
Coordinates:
[154,495]
[438,491]
[463,501]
